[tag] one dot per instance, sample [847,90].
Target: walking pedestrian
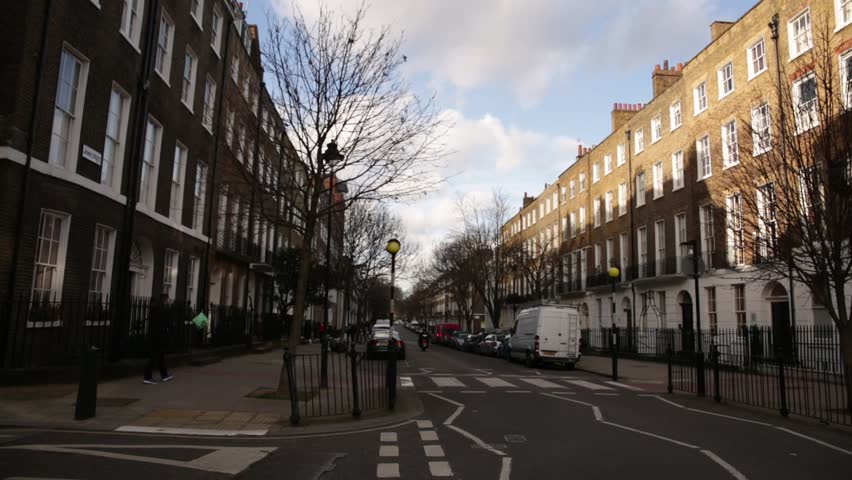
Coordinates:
[158,339]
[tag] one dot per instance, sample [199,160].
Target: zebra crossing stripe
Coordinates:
[628,387]
[538,382]
[448,382]
[589,385]
[494,382]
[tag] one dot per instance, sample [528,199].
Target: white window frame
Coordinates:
[680,238]
[170,272]
[216,23]
[598,258]
[642,250]
[699,98]
[846,76]
[192,272]
[640,189]
[131,22]
[842,16]
[229,128]
[209,107]
[730,145]
[596,172]
[704,158]
[622,199]
[767,220]
[607,164]
[68,159]
[582,226]
[235,69]
[734,230]
[624,254]
[555,199]
[639,140]
[675,115]
[656,128]
[177,182]
[608,206]
[794,34]
[660,245]
[102,256]
[199,194]
[708,235]
[572,224]
[596,211]
[620,154]
[197,14]
[187,95]
[112,165]
[572,189]
[757,47]
[54,290]
[677,170]
[163,60]
[148,188]
[761,128]
[725,76]
[813,110]
[657,174]
[582,181]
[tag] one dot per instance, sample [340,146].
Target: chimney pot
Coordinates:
[665,64]
[680,66]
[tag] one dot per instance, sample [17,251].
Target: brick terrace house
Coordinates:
[136,154]
[654,182]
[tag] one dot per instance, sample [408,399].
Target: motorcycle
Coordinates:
[423,342]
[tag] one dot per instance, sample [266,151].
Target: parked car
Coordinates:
[472,342]
[381,339]
[458,339]
[503,346]
[546,334]
[444,333]
[488,345]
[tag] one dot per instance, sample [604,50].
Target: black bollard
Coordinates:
[353,358]
[87,391]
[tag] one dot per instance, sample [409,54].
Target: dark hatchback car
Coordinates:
[378,345]
[472,342]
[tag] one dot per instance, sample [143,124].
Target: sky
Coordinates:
[524,81]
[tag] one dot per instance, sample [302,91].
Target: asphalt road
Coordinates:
[484,419]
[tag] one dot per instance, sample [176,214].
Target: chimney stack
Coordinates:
[665,77]
[622,112]
[719,27]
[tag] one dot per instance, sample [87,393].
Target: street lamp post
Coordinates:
[692,251]
[331,156]
[392,248]
[614,273]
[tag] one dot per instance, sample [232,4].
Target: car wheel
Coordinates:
[569,366]
[528,361]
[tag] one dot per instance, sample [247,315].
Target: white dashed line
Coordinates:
[541,383]
[589,385]
[433,450]
[506,468]
[517,391]
[428,435]
[494,382]
[388,451]
[473,391]
[727,466]
[387,470]
[477,440]
[448,382]
[388,436]
[424,423]
[628,387]
[440,469]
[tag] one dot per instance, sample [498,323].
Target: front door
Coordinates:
[687,331]
[782,340]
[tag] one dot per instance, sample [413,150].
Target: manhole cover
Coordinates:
[515,438]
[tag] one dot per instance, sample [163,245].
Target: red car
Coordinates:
[444,332]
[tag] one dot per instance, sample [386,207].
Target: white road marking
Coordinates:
[589,385]
[428,436]
[607,394]
[636,430]
[517,391]
[506,468]
[430,391]
[477,440]
[563,392]
[424,423]
[388,436]
[406,382]
[230,460]
[387,470]
[494,382]
[426,371]
[668,401]
[623,385]
[192,431]
[440,469]
[815,440]
[727,466]
[541,383]
[473,391]
[388,451]
[433,450]
[451,419]
[595,409]
[447,382]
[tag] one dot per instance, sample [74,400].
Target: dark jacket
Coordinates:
[159,325]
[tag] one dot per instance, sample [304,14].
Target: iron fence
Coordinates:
[48,333]
[350,384]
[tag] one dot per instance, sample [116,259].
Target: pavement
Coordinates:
[633,370]
[481,418]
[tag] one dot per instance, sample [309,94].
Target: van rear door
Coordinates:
[559,334]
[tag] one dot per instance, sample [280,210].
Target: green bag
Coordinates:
[200,321]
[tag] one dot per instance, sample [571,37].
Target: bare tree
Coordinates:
[335,80]
[452,272]
[789,198]
[537,261]
[481,239]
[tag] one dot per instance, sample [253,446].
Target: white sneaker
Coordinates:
[149,382]
[166,379]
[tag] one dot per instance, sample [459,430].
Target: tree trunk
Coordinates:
[299,304]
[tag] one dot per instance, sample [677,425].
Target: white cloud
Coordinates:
[528,46]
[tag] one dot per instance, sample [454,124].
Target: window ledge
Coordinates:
[658,197]
[761,152]
[163,77]
[638,152]
[672,129]
[197,21]
[728,94]
[701,179]
[753,76]
[188,107]
[135,46]
[699,112]
[655,141]
[729,166]
[674,189]
[794,57]
[841,27]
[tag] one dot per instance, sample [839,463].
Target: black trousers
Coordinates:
[156,355]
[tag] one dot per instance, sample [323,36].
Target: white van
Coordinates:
[546,334]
